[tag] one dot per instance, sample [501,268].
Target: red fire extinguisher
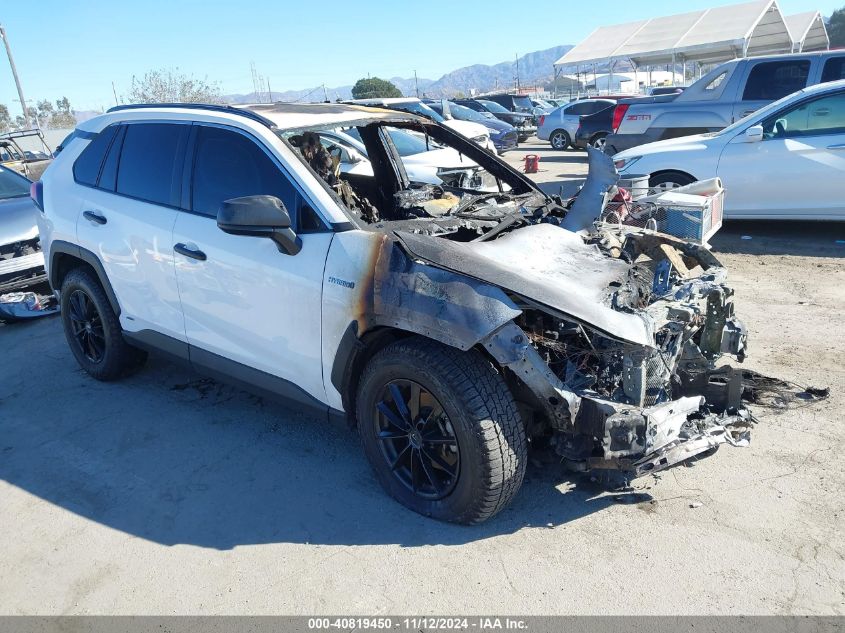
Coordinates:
[532,164]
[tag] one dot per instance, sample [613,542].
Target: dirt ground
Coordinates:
[170,494]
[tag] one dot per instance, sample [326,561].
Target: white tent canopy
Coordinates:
[708,36]
[808,31]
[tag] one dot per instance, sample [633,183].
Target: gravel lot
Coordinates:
[169,494]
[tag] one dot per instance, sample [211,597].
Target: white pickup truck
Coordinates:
[726,94]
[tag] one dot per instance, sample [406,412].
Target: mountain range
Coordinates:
[534,69]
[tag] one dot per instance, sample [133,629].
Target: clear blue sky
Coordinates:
[77,48]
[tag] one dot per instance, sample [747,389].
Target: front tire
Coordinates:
[92,329]
[668,180]
[441,430]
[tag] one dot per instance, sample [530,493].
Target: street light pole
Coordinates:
[15,75]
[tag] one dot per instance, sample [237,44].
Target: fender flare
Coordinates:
[61,248]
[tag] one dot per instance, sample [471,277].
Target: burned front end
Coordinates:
[610,403]
[609,337]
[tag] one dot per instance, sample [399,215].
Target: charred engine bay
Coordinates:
[462,216]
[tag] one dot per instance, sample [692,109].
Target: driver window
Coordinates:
[822,116]
[229,165]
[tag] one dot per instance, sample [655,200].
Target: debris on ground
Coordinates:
[18,306]
[774,393]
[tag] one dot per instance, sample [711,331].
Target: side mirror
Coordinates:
[754,134]
[259,216]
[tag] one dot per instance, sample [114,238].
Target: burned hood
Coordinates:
[548,265]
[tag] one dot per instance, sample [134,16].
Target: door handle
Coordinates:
[94,216]
[840,147]
[193,253]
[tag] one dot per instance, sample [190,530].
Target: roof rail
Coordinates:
[214,107]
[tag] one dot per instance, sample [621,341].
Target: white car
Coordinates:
[451,327]
[784,162]
[474,131]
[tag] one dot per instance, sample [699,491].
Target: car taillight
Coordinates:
[542,119]
[619,114]
[36,192]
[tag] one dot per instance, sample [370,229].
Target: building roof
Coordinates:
[808,31]
[708,36]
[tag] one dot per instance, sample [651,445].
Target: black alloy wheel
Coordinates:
[87,326]
[417,440]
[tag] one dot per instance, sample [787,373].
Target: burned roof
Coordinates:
[296,116]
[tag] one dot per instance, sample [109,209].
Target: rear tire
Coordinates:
[472,445]
[560,140]
[92,329]
[599,141]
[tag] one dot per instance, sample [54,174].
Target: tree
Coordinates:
[5,118]
[63,117]
[45,111]
[373,88]
[21,124]
[172,86]
[836,28]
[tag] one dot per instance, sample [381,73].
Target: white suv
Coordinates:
[452,326]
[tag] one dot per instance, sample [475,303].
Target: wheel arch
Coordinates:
[65,256]
[667,172]
[353,354]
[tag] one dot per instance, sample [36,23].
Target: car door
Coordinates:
[769,81]
[127,217]
[797,171]
[250,310]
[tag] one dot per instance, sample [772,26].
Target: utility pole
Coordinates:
[15,75]
[516,56]
[416,84]
[116,102]
[269,92]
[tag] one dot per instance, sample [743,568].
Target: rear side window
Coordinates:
[86,169]
[577,109]
[834,69]
[769,81]
[151,162]
[229,165]
[716,81]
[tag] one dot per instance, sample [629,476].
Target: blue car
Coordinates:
[503,135]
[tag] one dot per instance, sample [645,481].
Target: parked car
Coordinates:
[424,162]
[559,126]
[504,136]
[523,122]
[784,162]
[542,105]
[473,131]
[593,129]
[449,327]
[511,102]
[726,94]
[28,163]
[21,259]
